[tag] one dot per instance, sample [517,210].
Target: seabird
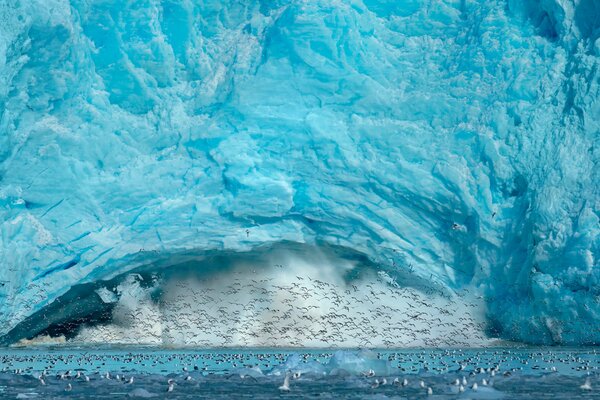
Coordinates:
[370,373]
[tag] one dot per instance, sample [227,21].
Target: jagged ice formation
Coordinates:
[451,143]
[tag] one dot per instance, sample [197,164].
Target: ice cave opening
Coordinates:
[287,295]
[453,144]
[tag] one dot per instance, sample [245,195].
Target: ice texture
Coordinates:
[451,141]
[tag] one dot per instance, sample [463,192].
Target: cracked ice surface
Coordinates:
[450,141]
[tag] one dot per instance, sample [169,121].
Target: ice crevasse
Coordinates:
[453,143]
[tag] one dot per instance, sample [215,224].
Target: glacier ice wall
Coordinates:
[452,141]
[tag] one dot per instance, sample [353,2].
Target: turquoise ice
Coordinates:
[455,142]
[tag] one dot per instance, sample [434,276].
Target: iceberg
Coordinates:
[445,145]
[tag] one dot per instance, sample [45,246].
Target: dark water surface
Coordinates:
[500,373]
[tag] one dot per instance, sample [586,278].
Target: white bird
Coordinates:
[405,382]
[587,385]
[107,376]
[461,389]
[130,381]
[286,383]
[69,388]
[370,373]
[456,382]
[422,384]
[297,375]
[171,385]
[474,387]
[464,381]
[484,382]
[42,381]
[188,378]
[429,391]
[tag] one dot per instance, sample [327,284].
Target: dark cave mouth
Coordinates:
[82,304]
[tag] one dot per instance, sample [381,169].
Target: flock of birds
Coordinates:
[426,372]
[281,310]
[291,311]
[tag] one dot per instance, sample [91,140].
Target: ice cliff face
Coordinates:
[454,142]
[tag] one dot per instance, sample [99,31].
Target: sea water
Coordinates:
[491,373]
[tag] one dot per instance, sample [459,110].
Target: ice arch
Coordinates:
[456,141]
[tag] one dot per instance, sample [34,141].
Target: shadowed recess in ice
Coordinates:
[454,142]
